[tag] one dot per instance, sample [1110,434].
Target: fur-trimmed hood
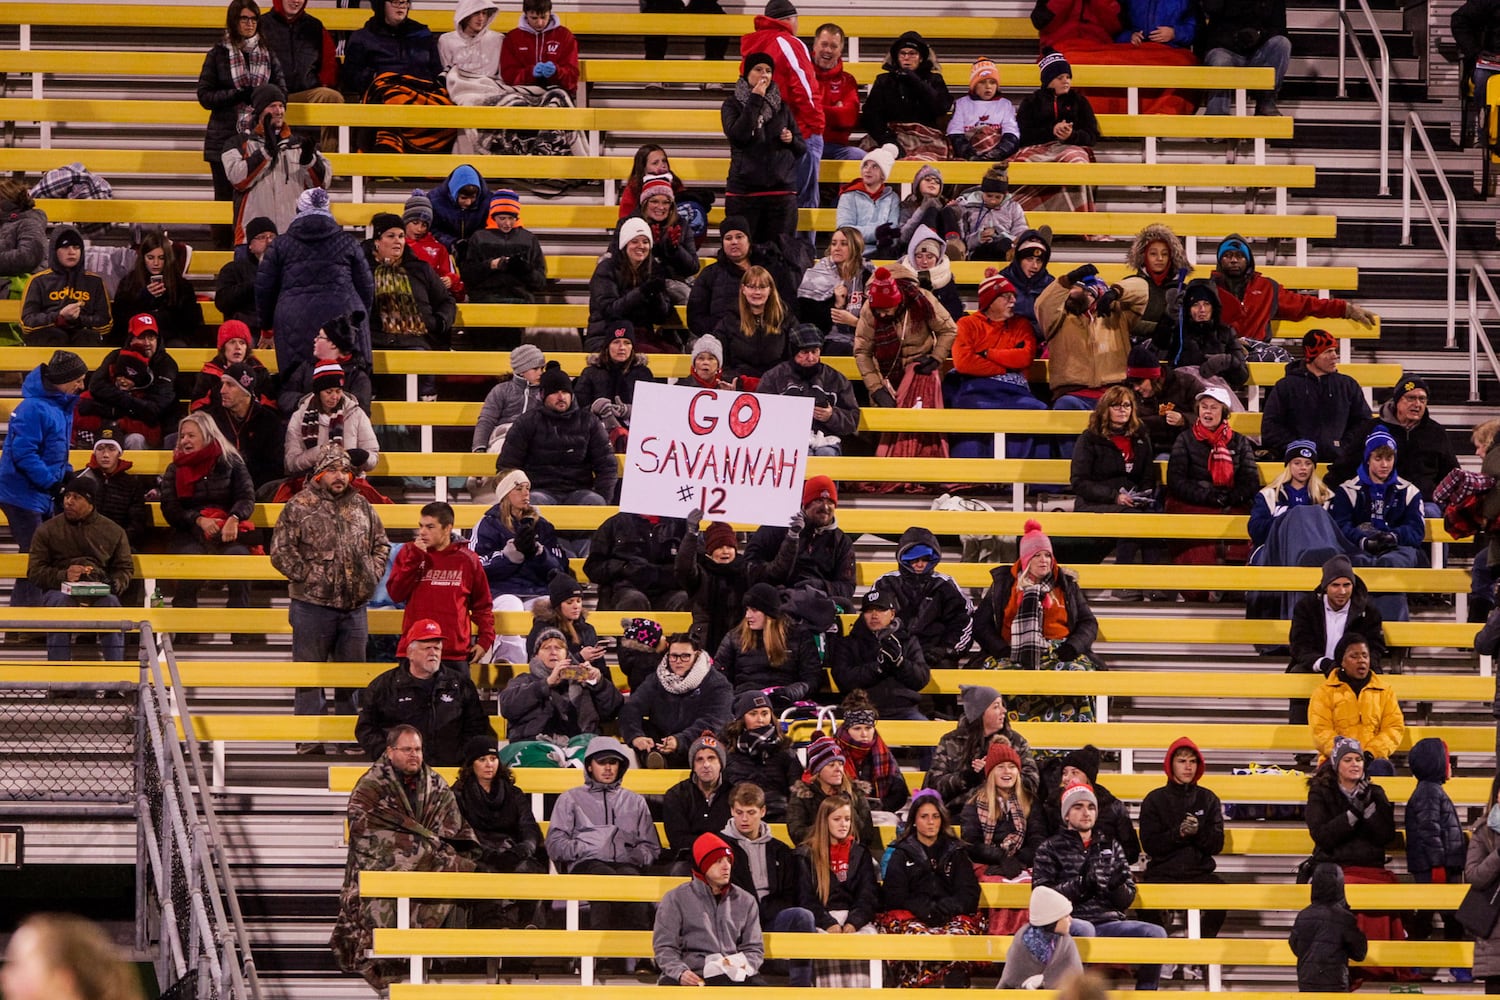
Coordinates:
[1136,257]
[545,614]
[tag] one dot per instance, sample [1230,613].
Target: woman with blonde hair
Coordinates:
[207,498]
[755,336]
[56,956]
[833,290]
[1003,824]
[837,884]
[1290,526]
[766,653]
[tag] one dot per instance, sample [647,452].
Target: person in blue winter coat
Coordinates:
[1380,515]
[460,206]
[1167,22]
[1028,272]
[870,204]
[517,546]
[34,462]
[1435,845]
[312,274]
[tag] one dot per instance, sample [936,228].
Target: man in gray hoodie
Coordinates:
[708,930]
[603,829]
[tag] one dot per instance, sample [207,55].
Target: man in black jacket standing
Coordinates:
[1245,33]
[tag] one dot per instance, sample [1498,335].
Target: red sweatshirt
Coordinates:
[1007,347]
[449,587]
[437,257]
[523,48]
[840,103]
[796,77]
[1265,300]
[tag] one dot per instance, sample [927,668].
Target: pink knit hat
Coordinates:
[1032,542]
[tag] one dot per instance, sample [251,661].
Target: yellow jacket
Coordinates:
[1374,718]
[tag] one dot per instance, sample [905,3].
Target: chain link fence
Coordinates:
[69,743]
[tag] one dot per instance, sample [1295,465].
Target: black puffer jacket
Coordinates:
[522,276]
[772,767]
[932,608]
[1434,836]
[1099,473]
[445,709]
[1189,481]
[898,95]
[758,160]
[601,378]
[1212,346]
[227,486]
[1326,936]
[716,590]
[1335,838]
[888,664]
[716,290]
[819,557]
[992,638]
[300,45]
[122,499]
[217,92]
[611,298]
[1095,877]
[824,385]
[434,302]
[705,708]
[1041,110]
[179,316]
[990,852]
[799,676]
[410,47]
[635,551]
[561,452]
[935,883]
[1172,857]
[23,239]
[1326,409]
[234,289]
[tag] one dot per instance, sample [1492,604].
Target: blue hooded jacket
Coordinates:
[36,447]
[451,223]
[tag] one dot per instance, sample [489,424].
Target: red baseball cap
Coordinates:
[425,630]
[142,324]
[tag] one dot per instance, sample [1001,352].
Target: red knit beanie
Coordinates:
[882,291]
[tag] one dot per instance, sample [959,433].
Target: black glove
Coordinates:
[928,365]
[883,397]
[524,849]
[887,232]
[1067,652]
[1108,299]
[654,286]
[891,655]
[1377,543]
[1079,273]
[1212,365]
[56,490]
[309,153]
[357,458]
[526,537]
[1389,540]
[1221,498]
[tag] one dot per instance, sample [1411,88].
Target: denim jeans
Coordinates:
[321,635]
[807,173]
[23,524]
[1275,52]
[60,644]
[839,151]
[795,920]
[1146,976]
[570,498]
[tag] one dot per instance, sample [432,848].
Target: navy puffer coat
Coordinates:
[311,274]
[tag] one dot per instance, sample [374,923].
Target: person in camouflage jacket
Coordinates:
[402,817]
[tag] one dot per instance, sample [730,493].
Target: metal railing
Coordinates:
[1447,233]
[1478,336]
[1381,87]
[202,931]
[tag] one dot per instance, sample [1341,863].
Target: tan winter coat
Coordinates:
[917,340]
[1088,351]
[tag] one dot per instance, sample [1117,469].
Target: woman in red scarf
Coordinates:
[1212,471]
[868,762]
[207,497]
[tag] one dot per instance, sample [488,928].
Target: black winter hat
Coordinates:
[764,597]
[563,587]
[1339,567]
[264,96]
[341,331]
[480,746]
[554,379]
[64,367]
[1086,759]
[1409,383]
[256,226]
[86,486]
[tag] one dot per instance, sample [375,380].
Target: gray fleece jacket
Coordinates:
[691,924]
[602,822]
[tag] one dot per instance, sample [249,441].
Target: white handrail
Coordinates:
[1477,334]
[1382,88]
[1447,240]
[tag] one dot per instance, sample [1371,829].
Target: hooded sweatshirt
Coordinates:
[474,56]
[450,224]
[524,47]
[1435,846]
[602,822]
[50,290]
[933,609]
[449,587]
[764,867]
[1173,857]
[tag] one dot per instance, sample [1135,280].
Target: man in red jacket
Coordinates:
[438,576]
[1250,300]
[796,78]
[840,93]
[539,51]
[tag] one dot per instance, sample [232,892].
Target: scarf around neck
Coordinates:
[310,420]
[771,101]
[193,466]
[883,767]
[1379,494]
[1027,643]
[1220,460]
[397,305]
[758,744]
[249,67]
[689,681]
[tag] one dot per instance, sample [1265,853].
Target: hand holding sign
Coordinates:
[736,456]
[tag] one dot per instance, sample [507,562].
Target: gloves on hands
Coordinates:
[891,655]
[357,458]
[927,365]
[602,407]
[309,153]
[620,410]
[1079,273]
[1188,827]
[526,537]
[795,524]
[887,232]
[1380,541]
[544,70]
[1108,299]
[695,521]
[883,397]
[654,286]
[1067,652]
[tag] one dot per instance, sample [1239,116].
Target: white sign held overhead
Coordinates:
[737,456]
